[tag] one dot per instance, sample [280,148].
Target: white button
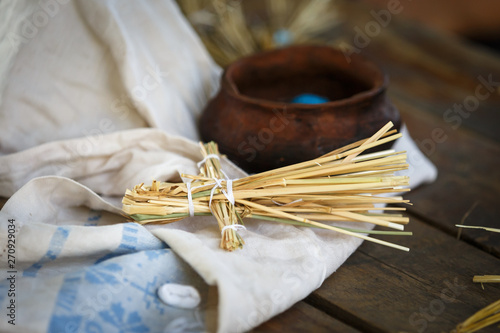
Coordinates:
[178,295]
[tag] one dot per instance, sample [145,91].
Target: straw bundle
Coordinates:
[228,33]
[340,186]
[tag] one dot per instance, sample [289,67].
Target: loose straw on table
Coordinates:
[490,314]
[481,319]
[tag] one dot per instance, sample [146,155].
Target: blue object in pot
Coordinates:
[309,99]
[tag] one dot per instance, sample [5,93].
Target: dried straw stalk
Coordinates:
[481,319]
[477,227]
[486,279]
[340,186]
[490,314]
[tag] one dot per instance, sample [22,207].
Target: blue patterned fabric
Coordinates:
[118,295]
[115,293]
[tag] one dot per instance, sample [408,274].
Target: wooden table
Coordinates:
[429,289]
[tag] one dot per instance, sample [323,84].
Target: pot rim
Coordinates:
[380,83]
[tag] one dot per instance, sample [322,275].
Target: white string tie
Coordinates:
[235,227]
[229,186]
[190,199]
[217,184]
[203,161]
[229,194]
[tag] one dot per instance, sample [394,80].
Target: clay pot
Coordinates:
[256,126]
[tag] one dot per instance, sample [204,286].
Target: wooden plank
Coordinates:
[303,317]
[469,173]
[435,71]
[429,289]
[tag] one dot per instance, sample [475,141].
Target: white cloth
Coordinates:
[77,93]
